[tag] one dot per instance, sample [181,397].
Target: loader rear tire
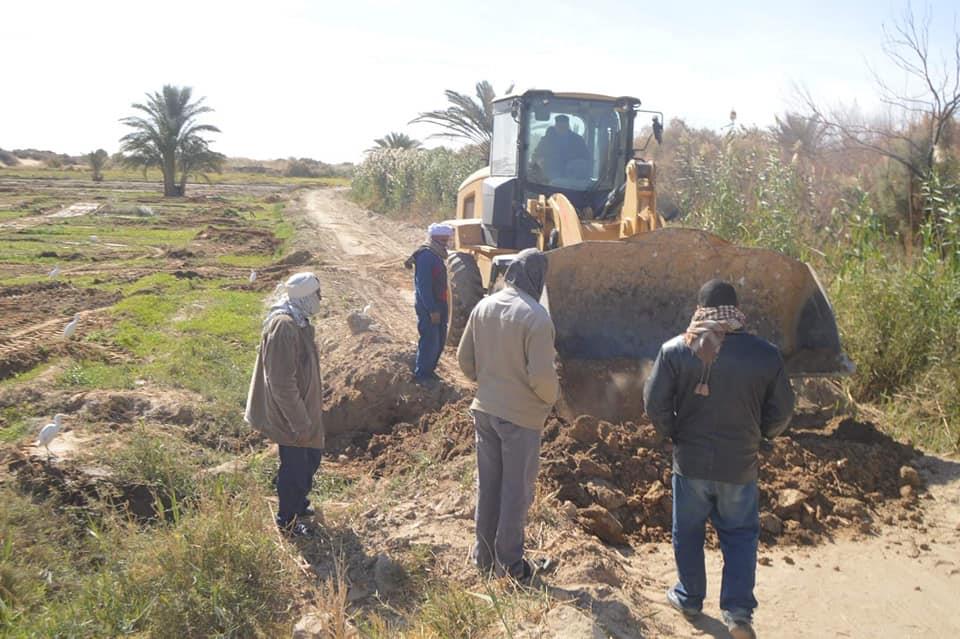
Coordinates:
[464,290]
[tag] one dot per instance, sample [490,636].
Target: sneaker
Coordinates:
[307,512]
[741,630]
[674,601]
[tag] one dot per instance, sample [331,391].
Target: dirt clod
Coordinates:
[910,476]
[771,523]
[599,521]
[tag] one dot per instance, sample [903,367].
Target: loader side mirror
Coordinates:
[657,130]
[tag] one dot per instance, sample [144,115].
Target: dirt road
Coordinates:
[896,584]
[894,581]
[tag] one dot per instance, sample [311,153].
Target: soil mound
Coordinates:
[811,483]
[78,487]
[408,445]
[371,387]
[238,240]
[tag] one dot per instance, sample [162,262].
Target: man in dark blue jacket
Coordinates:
[429,262]
[715,391]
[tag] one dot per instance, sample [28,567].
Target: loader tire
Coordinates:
[464,290]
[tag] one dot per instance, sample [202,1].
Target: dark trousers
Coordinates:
[430,346]
[295,479]
[733,508]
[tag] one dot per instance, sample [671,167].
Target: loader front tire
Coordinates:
[464,290]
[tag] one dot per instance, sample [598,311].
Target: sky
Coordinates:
[323,79]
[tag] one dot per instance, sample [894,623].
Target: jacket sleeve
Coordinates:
[659,394]
[777,404]
[541,361]
[466,353]
[280,371]
[423,279]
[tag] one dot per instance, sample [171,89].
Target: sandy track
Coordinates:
[371,249]
[899,583]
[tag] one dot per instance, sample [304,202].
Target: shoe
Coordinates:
[307,512]
[294,528]
[533,568]
[741,630]
[424,380]
[528,572]
[689,613]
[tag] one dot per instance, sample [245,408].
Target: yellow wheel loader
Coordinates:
[565,177]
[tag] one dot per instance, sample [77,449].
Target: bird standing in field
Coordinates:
[253,276]
[71,328]
[94,239]
[49,432]
[54,271]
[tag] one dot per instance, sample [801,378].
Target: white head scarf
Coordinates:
[440,230]
[297,299]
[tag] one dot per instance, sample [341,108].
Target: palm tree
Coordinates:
[395,140]
[97,160]
[799,135]
[168,136]
[467,118]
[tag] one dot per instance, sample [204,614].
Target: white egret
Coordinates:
[253,276]
[71,328]
[54,271]
[49,432]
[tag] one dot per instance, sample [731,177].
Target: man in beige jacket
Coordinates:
[285,402]
[507,348]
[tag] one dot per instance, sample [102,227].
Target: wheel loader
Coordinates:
[565,176]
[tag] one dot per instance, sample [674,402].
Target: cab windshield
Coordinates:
[574,145]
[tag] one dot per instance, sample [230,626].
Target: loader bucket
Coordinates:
[615,303]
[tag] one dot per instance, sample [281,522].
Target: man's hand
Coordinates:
[434,318]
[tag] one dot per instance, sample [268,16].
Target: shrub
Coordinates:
[900,318]
[413,181]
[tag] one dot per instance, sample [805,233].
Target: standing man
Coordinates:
[507,348]
[715,391]
[285,401]
[429,262]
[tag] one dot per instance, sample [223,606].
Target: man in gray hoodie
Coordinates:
[507,348]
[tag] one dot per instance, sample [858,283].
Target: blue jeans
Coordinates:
[734,510]
[430,346]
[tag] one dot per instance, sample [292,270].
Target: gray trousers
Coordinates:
[508,459]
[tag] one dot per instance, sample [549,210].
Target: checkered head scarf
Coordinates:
[710,324]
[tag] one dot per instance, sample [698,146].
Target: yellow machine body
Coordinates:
[620,286]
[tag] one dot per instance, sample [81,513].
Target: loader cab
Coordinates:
[574,144]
